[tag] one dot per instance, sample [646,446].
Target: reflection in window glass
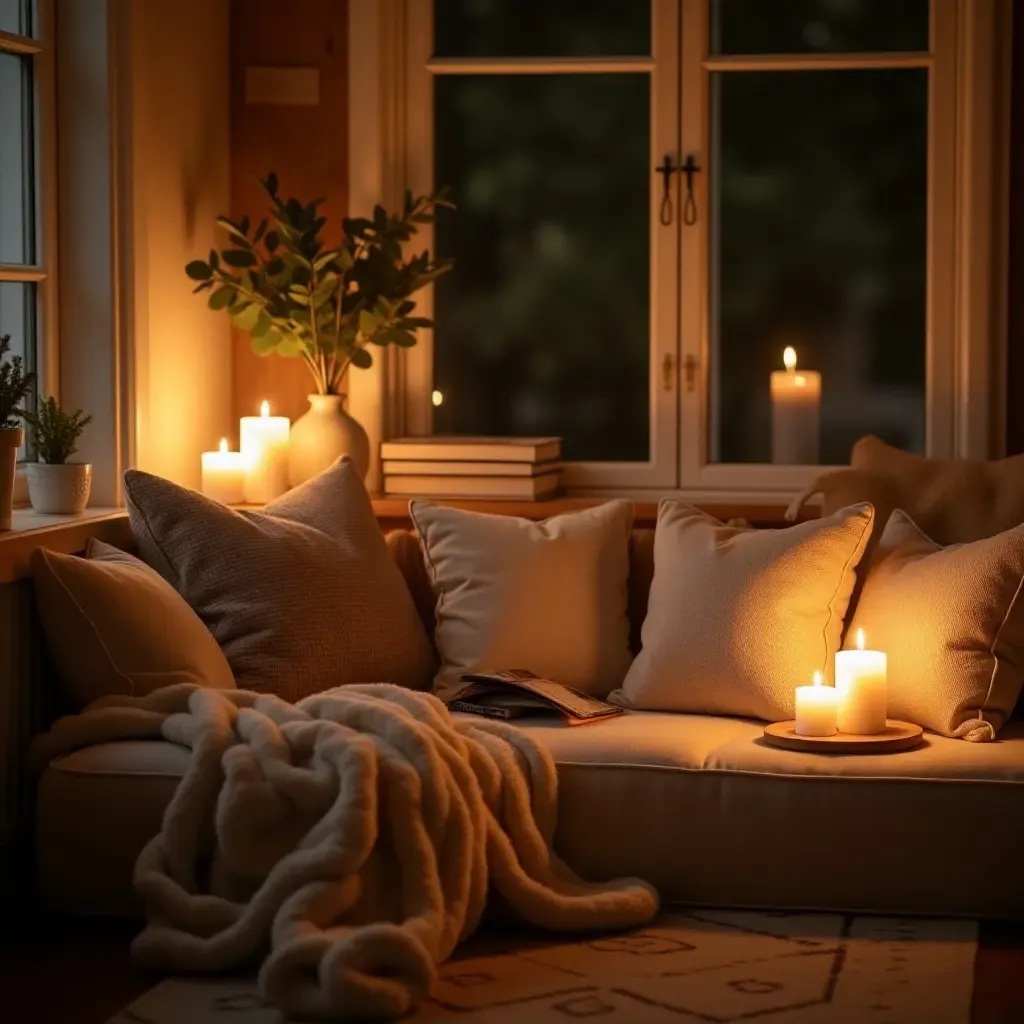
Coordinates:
[818,26]
[16,203]
[820,195]
[541,28]
[18,319]
[543,327]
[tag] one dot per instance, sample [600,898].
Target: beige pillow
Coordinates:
[301,596]
[114,626]
[951,623]
[738,618]
[549,597]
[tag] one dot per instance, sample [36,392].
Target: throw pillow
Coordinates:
[114,626]
[951,622]
[550,597]
[301,596]
[738,618]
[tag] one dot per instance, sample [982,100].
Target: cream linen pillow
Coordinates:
[549,597]
[951,622]
[301,596]
[738,618]
[114,626]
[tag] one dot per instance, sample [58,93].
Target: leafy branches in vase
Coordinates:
[298,298]
[15,385]
[56,432]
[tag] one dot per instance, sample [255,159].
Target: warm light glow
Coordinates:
[800,380]
[264,409]
[789,358]
[223,444]
[437,397]
[817,679]
[860,639]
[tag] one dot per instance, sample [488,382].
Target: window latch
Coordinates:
[666,169]
[690,373]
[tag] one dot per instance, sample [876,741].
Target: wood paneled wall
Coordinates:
[306,145]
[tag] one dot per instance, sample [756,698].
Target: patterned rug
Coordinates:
[702,966]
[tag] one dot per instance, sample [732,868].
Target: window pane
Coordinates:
[541,28]
[16,148]
[818,26]
[18,319]
[543,327]
[820,244]
[16,17]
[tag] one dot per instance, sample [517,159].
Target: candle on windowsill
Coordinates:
[264,447]
[862,687]
[816,709]
[796,398]
[223,475]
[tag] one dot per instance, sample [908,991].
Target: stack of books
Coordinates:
[524,468]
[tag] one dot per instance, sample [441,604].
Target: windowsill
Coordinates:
[27,520]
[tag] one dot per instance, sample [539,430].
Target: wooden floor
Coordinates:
[67,971]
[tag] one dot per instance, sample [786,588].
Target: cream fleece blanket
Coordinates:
[355,835]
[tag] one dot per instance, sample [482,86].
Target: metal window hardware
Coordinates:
[667,168]
[690,372]
[668,369]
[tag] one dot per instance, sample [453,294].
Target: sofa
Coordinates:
[698,805]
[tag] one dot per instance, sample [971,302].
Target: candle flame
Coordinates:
[818,679]
[264,408]
[789,358]
[223,444]
[860,639]
[437,397]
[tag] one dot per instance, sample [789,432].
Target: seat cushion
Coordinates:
[698,805]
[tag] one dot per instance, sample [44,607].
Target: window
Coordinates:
[26,286]
[656,200]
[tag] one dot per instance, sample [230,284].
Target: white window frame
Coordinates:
[390,148]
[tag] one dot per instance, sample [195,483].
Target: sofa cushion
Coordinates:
[698,805]
[737,618]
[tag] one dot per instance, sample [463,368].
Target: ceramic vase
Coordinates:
[11,439]
[59,490]
[321,436]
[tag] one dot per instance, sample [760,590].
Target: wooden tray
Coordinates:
[897,736]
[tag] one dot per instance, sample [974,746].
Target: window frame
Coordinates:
[968,177]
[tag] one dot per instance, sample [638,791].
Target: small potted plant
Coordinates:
[15,385]
[56,486]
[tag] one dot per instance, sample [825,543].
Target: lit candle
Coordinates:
[861,685]
[816,708]
[223,475]
[264,445]
[795,401]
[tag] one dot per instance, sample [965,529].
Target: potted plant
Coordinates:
[15,385]
[301,299]
[56,486]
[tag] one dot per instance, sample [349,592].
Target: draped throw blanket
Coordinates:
[355,835]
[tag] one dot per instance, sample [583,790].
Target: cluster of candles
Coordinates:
[856,704]
[258,472]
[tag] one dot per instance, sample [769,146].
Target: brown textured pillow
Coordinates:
[301,596]
[951,622]
[738,618]
[114,626]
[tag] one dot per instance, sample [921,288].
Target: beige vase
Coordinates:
[323,435]
[11,439]
[60,489]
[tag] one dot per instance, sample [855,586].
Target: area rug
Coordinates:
[702,965]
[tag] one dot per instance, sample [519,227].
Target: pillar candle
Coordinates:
[816,708]
[796,398]
[223,475]
[264,445]
[861,685]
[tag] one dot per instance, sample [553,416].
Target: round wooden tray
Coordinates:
[897,736]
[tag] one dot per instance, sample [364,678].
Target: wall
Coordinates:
[307,146]
[180,156]
[1015,294]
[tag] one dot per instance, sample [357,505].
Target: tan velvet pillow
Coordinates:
[550,597]
[301,596]
[951,622]
[114,626]
[738,618]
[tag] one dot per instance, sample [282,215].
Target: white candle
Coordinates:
[861,685]
[816,708]
[223,477]
[796,398]
[264,445]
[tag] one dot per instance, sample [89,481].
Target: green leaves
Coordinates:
[221,298]
[362,359]
[239,258]
[198,270]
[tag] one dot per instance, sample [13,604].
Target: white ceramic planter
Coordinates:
[59,490]
[10,441]
[323,435]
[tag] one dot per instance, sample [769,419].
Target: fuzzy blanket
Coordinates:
[355,835]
